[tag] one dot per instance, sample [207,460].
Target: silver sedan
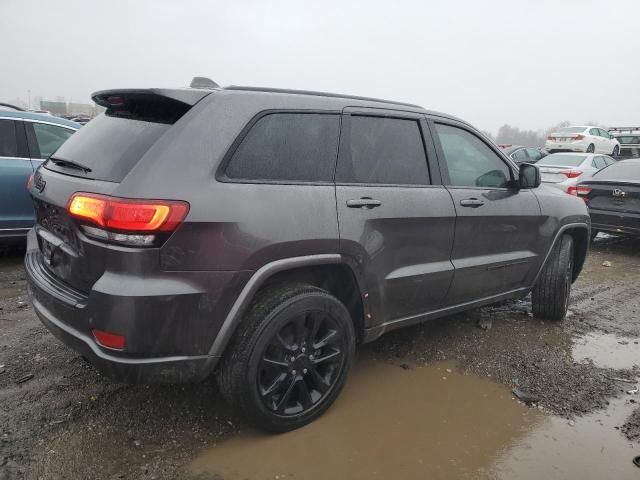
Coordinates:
[566,170]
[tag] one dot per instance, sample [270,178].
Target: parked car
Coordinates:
[25,140]
[613,198]
[582,139]
[11,107]
[265,249]
[520,154]
[565,170]
[629,140]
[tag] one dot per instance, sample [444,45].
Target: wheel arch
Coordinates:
[327,271]
[580,232]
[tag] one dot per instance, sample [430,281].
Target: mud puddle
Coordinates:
[607,350]
[589,447]
[429,422]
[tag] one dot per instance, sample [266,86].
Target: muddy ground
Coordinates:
[60,419]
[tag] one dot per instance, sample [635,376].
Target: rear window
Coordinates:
[571,130]
[109,145]
[623,170]
[560,160]
[287,147]
[628,139]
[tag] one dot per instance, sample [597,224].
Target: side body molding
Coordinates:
[234,317]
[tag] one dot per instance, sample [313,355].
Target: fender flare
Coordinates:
[234,317]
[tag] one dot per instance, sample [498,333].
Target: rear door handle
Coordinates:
[364,202]
[471,202]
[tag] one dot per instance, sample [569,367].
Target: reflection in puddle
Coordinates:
[592,448]
[388,423]
[607,350]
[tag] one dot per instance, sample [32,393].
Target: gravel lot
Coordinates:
[60,419]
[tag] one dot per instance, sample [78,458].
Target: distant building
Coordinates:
[77,109]
[56,108]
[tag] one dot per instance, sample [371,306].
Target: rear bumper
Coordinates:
[553,147]
[169,320]
[624,224]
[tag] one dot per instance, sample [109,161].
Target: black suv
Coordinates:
[260,234]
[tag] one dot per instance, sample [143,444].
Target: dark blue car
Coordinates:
[26,140]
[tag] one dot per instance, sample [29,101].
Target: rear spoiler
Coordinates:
[118,98]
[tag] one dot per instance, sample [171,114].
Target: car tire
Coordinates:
[591,148]
[290,357]
[616,151]
[550,296]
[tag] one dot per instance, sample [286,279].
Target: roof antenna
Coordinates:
[203,82]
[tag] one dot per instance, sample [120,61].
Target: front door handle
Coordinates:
[364,202]
[471,202]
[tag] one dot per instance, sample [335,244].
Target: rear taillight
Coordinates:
[580,191]
[127,221]
[579,137]
[571,173]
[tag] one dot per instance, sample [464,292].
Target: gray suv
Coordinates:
[261,234]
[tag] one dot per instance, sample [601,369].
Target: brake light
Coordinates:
[108,339]
[571,173]
[130,215]
[580,191]
[30,182]
[579,137]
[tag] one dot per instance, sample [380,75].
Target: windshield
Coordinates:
[571,130]
[561,160]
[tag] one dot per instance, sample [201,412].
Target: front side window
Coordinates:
[470,162]
[384,151]
[288,147]
[8,139]
[50,137]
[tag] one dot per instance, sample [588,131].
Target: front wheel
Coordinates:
[616,151]
[550,296]
[290,357]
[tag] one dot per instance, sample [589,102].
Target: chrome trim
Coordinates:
[14,158]
[31,120]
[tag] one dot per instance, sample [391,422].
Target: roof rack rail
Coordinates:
[622,129]
[317,94]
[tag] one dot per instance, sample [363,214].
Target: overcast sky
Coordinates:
[530,63]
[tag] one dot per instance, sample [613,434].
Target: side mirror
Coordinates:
[529,176]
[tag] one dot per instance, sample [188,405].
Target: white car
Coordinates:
[565,170]
[582,139]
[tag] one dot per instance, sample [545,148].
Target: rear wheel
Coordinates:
[591,148]
[616,151]
[290,358]
[550,296]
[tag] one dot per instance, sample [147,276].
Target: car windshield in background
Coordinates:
[562,160]
[571,130]
[620,171]
[628,139]
[93,146]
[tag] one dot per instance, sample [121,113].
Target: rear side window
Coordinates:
[8,139]
[288,147]
[384,151]
[109,145]
[49,137]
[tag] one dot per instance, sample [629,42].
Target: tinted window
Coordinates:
[50,137]
[288,147]
[384,150]
[8,139]
[109,145]
[571,130]
[625,170]
[470,162]
[599,162]
[628,139]
[609,160]
[534,154]
[520,155]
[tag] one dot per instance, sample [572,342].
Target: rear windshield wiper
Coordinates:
[70,164]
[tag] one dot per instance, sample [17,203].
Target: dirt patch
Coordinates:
[631,427]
